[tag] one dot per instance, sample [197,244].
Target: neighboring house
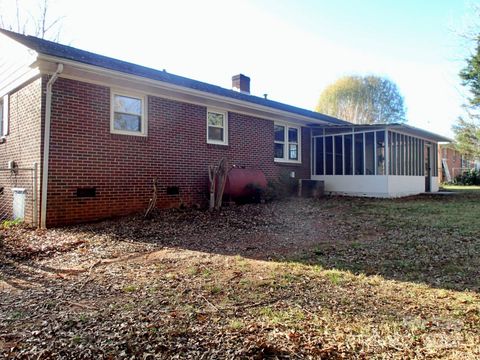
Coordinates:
[453,163]
[100,130]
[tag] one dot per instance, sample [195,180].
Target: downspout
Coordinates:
[46,146]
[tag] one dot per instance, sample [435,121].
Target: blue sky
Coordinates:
[290,49]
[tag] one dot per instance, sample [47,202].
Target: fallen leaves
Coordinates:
[339,278]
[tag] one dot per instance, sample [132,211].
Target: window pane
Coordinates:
[293,135]
[279,133]
[419,158]
[127,122]
[394,153]
[397,154]
[358,154]
[328,155]
[125,104]
[348,154]
[413,156]
[279,151]
[421,151]
[338,155]
[319,156]
[390,153]
[293,152]
[380,152]
[407,155]
[414,159]
[215,133]
[402,154]
[410,156]
[369,153]
[215,119]
[422,160]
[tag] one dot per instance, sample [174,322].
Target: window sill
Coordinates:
[217,143]
[128,133]
[288,162]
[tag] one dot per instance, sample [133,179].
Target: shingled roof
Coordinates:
[50,48]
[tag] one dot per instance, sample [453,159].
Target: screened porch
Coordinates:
[377,160]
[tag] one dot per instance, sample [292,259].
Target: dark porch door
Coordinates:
[428,169]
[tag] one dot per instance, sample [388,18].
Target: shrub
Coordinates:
[469,177]
[7,224]
[281,187]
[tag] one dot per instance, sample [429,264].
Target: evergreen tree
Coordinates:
[467,128]
[470,75]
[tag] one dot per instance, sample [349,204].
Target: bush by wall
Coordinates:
[281,188]
[470,177]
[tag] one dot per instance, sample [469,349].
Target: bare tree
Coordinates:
[37,21]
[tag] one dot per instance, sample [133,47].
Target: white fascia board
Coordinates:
[106,77]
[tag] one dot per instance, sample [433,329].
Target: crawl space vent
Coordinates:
[173,190]
[86,192]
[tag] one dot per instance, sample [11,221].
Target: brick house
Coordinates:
[101,129]
[452,163]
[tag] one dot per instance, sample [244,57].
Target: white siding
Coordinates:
[358,185]
[376,186]
[434,184]
[405,185]
[15,64]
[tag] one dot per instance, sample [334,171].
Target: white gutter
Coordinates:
[46,146]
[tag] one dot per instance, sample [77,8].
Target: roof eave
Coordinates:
[422,132]
[397,126]
[48,63]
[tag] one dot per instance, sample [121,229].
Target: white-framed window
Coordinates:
[287,143]
[217,127]
[128,113]
[4,116]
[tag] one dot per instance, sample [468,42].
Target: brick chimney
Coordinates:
[241,83]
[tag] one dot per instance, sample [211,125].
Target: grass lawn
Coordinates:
[461,187]
[332,278]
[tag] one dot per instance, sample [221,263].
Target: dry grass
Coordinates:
[339,278]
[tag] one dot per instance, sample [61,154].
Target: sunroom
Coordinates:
[375,160]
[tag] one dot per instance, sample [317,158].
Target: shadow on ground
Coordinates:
[426,239]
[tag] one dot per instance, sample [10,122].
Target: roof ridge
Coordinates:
[68,52]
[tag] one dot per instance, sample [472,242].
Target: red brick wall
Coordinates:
[23,142]
[83,153]
[454,163]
